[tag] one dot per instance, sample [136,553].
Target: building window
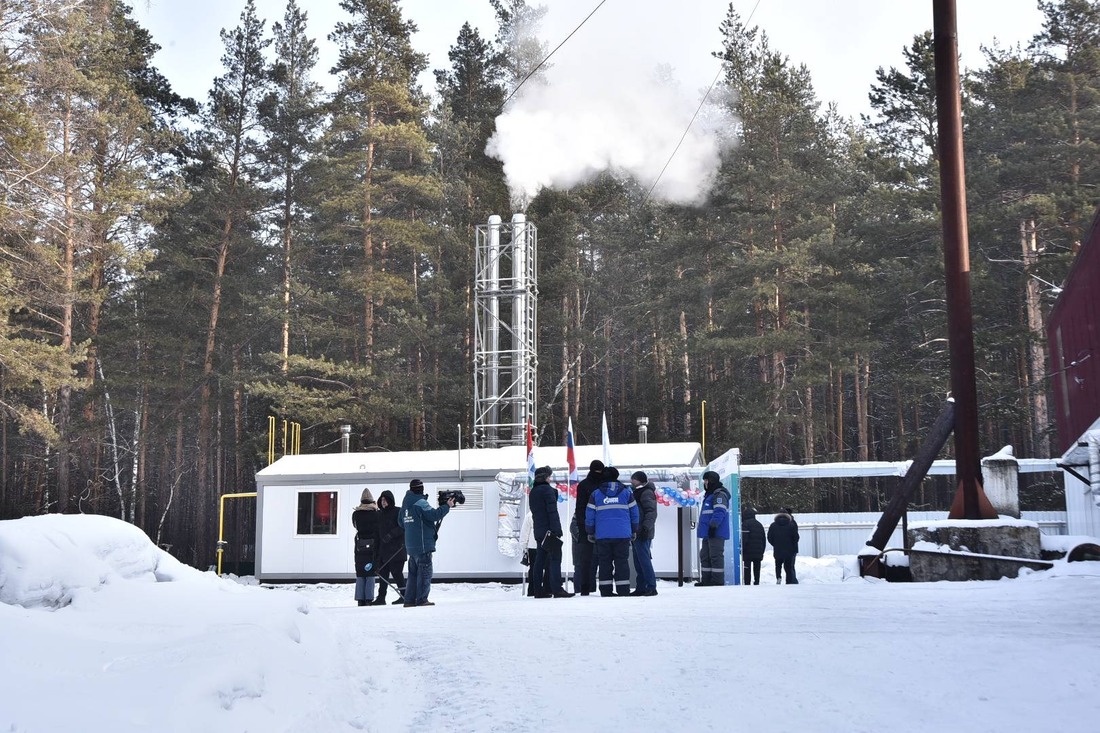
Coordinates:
[317,512]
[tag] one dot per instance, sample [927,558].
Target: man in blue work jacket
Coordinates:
[714,529]
[611,520]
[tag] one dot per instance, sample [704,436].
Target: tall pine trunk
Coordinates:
[1037,357]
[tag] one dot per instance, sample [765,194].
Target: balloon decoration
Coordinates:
[566,492]
[670,496]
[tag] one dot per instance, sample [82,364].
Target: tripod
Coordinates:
[398,591]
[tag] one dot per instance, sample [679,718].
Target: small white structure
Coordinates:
[1081,462]
[303,519]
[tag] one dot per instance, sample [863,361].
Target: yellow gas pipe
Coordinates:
[221,522]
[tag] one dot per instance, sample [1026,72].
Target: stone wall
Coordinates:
[977,551]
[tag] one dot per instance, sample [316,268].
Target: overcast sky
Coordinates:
[841,41]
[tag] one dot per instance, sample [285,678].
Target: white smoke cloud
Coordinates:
[618,97]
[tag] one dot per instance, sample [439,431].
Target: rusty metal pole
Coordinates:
[956,257]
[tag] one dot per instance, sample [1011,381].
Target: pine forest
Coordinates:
[177,272]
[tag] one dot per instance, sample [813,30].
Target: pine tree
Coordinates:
[291,114]
[374,236]
[231,137]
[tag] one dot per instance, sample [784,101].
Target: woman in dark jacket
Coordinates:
[391,549]
[365,519]
[783,536]
[754,544]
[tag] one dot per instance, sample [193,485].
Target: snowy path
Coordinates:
[852,656]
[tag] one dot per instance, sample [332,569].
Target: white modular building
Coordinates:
[305,502]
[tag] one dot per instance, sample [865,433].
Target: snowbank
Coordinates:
[88,621]
[45,560]
[1065,542]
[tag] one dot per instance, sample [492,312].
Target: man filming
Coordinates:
[420,522]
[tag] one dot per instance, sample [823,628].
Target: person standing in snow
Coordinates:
[584,574]
[611,520]
[546,526]
[420,522]
[783,536]
[530,548]
[391,549]
[753,544]
[714,529]
[365,519]
[645,495]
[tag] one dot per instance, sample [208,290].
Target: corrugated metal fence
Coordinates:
[846,533]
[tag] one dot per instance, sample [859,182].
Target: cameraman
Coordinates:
[420,522]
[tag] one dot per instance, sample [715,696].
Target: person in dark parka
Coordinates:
[645,496]
[391,549]
[365,519]
[584,576]
[753,544]
[783,536]
[546,527]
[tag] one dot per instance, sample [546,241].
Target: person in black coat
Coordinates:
[645,496]
[546,526]
[584,578]
[391,549]
[754,542]
[365,519]
[783,536]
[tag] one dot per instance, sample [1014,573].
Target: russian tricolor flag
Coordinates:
[571,459]
[530,455]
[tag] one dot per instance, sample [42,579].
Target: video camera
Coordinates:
[445,496]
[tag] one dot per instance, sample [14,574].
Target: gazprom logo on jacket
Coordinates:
[610,500]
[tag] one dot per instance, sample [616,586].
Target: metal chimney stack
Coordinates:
[643,430]
[505,327]
[345,438]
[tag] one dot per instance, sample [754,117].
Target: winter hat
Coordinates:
[610,473]
[748,513]
[640,476]
[416,486]
[544,472]
[711,477]
[596,465]
[366,501]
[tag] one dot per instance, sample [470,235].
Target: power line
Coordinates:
[692,120]
[532,72]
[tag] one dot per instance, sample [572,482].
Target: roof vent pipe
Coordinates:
[643,430]
[345,438]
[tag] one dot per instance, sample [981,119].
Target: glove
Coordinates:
[712,532]
[367,567]
[592,538]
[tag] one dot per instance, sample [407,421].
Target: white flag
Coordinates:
[606,444]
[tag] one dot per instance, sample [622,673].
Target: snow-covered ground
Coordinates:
[100,631]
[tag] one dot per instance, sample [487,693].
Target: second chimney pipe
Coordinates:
[345,438]
[643,430]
